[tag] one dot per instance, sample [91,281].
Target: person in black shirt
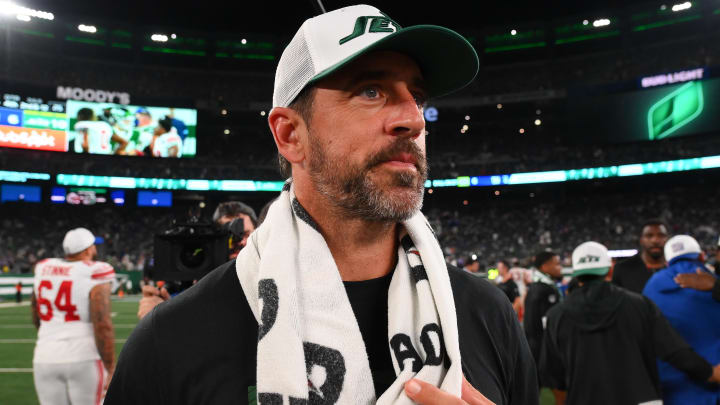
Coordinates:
[200,346]
[542,294]
[506,283]
[472,266]
[634,272]
[601,343]
[349,127]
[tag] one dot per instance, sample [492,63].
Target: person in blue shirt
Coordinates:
[693,313]
[179,125]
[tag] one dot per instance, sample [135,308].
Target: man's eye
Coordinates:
[370,92]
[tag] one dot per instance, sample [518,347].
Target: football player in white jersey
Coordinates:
[95,136]
[166,142]
[75,351]
[142,133]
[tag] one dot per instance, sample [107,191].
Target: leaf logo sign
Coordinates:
[675,110]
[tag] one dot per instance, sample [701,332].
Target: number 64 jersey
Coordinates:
[62,292]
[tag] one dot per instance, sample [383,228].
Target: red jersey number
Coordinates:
[44,302]
[62,301]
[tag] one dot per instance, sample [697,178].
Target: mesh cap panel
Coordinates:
[294,70]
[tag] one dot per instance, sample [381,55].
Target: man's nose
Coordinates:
[406,118]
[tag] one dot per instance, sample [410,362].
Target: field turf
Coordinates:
[17,341]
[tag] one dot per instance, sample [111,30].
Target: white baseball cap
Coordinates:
[77,240]
[681,245]
[591,258]
[329,41]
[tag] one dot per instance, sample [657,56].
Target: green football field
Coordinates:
[17,341]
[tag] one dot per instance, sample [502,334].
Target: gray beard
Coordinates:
[352,190]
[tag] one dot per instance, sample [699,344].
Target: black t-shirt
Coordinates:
[368,300]
[539,299]
[632,274]
[510,288]
[200,347]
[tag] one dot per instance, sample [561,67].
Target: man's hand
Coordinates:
[701,280]
[715,378]
[151,298]
[427,394]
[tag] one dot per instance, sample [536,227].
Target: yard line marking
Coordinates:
[16,370]
[35,340]
[14,304]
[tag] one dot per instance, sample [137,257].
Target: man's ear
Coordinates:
[287,128]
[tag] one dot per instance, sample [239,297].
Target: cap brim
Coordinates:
[448,62]
[598,271]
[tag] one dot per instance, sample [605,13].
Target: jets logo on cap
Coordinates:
[589,259]
[377,24]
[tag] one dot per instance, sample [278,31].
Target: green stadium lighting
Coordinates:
[22,177]
[553,176]
[167,184]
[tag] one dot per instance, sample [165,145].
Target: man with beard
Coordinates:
[342,295]
[634,272]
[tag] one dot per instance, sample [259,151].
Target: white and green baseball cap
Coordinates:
[591,258]
[329,41]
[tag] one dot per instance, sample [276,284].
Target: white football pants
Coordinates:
[78,383]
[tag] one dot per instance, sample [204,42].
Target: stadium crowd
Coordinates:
[497,230]
[253,158]
[32,233]
[501,231]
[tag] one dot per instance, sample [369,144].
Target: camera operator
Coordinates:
[224,218]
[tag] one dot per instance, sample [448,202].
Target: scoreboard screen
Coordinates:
[86,196]
[154,198]
[13,192]
[102,128]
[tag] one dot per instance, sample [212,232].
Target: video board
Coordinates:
[22,193]
[86,196]
[103,128]
[653,113]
